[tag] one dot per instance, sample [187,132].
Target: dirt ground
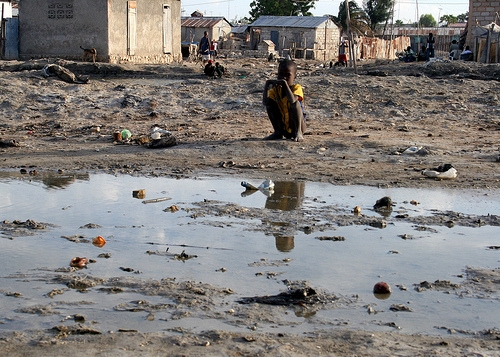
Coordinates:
[359,129]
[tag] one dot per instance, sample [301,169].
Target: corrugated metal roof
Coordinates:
[239,29]
[204,22]
[290,21]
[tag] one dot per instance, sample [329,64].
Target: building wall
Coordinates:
[482,12]
[5,9]
[149,32]
[221,29]
[57,28]
[10,44]
[320,43]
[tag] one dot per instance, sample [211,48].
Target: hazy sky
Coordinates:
[405,10]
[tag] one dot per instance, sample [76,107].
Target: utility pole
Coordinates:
[352,57]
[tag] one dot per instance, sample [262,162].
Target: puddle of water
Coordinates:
[255,261]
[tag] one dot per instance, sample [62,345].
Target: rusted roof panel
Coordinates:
[290,21]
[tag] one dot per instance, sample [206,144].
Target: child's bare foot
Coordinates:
[274,136]
[299,138]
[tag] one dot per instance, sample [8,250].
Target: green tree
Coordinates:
[427,20]
[379,11]
[399,23]
[280,8]
[448,19]
[358,19]
[463,17]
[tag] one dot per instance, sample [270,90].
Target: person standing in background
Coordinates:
[204,48]
[430,46]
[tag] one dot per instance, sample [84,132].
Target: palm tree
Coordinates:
[359,20]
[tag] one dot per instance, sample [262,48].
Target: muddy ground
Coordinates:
[359,126]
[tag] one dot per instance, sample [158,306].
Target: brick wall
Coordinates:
[482,12]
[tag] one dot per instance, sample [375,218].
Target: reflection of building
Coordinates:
[287,195]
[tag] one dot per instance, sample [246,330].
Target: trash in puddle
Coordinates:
[382,288]
[172,209]
[385,203]
[155,200]
[266,187]
[248,186]
[99,241]
[443,172]
[184,256]
[298,293]
[78,262]
[139,193]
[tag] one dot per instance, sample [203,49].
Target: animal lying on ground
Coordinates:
[63,73]
[89,53]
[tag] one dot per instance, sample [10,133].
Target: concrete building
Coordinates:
[8,31]
[6,9]
[141,31]
[192,28]
[310,37]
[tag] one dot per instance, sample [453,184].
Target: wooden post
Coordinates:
[352,51]
[392,29]
[488,43]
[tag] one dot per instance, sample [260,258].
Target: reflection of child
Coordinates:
[283,101]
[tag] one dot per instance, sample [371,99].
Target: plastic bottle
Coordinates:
[248,186]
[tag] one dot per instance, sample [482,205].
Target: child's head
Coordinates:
[287,70]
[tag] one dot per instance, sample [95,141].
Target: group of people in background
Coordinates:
[208,51]
[427,52]
[207,48]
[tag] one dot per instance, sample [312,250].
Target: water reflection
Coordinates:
[284,243]
[128,226]
[287,195]
[49,179]
[62,180]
